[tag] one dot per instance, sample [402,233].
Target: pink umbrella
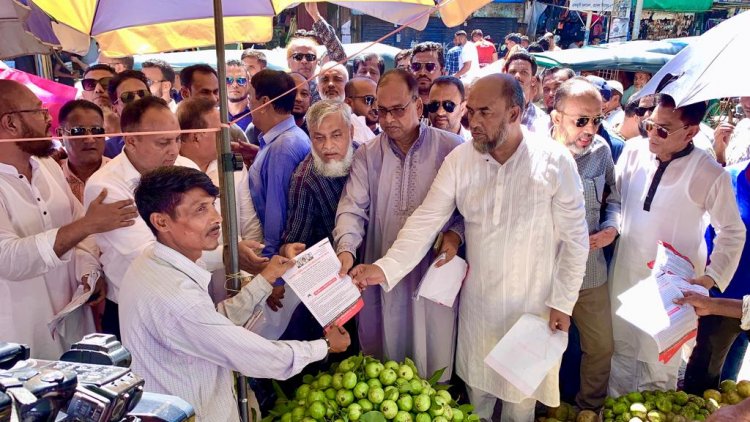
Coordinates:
[52,94]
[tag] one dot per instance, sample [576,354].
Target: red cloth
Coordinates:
[485,52]
[53,95]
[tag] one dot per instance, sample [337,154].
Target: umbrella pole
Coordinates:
[228,200]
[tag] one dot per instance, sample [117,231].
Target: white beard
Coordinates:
[336,98]
[338,168]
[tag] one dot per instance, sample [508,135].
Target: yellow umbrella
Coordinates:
[124,28]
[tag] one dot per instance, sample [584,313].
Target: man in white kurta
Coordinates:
[526,239]
[46,251]
[667,186]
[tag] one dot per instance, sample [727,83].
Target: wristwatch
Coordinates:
[328,343]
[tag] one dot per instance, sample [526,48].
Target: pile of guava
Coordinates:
[364,389]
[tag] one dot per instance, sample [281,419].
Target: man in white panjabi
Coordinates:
[46,248]
[666,187]
[526,236]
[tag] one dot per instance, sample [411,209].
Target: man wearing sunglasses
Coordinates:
[95,81]
[576,116]
[302,58]
[45,237]
[124,88]
[447,106]
[361,97]
[85,155]
[427,64]
[390,177]
[667,186]
[161,78]
[238,84]
[526,238]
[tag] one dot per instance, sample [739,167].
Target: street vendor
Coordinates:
[180,344]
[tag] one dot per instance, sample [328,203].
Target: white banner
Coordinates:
[595,5]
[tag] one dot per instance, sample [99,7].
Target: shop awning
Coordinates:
[680,6]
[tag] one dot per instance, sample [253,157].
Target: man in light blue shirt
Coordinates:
[283,145]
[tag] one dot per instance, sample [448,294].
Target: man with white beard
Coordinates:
[315,190]
[526,240]
[332,81]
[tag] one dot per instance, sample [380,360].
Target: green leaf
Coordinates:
[436,377]
[279,392]
[267,419]
[466,408]
[372,416]
[442,387]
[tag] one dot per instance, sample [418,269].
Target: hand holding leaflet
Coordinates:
[315,279]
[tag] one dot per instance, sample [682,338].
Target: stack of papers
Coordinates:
[441,285]
[649,304]
[527,353]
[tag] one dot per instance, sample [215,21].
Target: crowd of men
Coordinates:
[533,178]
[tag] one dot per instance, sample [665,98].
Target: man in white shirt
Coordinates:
[612,108]
[45,243]
[526,236]
[667,186]
[180,344]
[469,59]
[200,148]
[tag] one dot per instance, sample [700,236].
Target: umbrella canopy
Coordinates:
[25,29]
[124,28]
[647,56]
[711,67]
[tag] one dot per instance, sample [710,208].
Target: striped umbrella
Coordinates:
[124,28]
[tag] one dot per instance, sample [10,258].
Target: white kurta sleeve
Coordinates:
[27,257]
[569,219]
[730,231]
[421,228]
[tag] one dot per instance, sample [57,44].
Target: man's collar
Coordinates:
[182,264]
[417,143]
[685,151]
[277,130]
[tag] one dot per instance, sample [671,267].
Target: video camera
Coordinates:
[91,383]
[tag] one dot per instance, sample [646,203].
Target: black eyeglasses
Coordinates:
[662,132]
[81,131]
[241,81]
[398,112]
[584,120]
[130,96]
[416,66]
[434,106]
[641,111]
[89,84]
[310,57]
[368,99]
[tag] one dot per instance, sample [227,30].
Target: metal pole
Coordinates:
[637,20]
[228,200]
